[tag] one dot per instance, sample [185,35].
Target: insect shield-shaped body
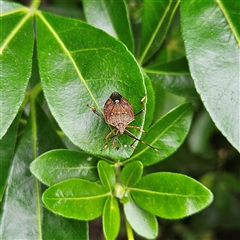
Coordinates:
[118,112]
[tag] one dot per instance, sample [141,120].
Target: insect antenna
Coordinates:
[137,139]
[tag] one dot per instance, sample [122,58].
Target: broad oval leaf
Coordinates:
[58,165]
[150,104]
[111,218]
[22,200]
[16,49]
[171,195]
[83,65]
[213,54]
[166,135]
[112,17]
[7,146]
[107,175]
[131,173]
[76,198]
[157,16]
[143,223]
[174,77]
[57,227]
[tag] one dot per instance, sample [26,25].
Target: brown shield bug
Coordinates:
[118,112]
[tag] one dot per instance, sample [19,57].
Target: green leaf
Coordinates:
[157,16]
[172,47]
[131,173]
[171,195]
[213,55]
[231,11]
[167,134]
[56,227]
[142,222]
[76,198]
[111,218]
[16,49]
[58,165]
[22,202]
[174,77]
[7,147]
[107,175]
[112,17]
[83,65]
[150,104]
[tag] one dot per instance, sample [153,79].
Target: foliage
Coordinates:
[52,67]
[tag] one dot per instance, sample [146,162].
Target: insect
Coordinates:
[118,112]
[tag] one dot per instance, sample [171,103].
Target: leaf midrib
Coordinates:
[68,53]
[16,28]
[154,34]
[154,192]
[228,19]
[77,198]
[162,133]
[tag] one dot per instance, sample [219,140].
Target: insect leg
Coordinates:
[106,138]
[114,139]
[138,128]
[137,139]
[132,144]
[95,111]
[143,107]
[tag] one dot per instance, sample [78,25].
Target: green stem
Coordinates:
[35,4]
[32,93]
[117,172]
[36,89]
[33,115]
[129,231]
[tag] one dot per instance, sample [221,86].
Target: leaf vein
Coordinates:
[68,53]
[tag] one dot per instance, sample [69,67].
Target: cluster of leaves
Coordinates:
[79,65]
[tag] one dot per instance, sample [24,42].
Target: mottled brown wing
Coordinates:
[116,112]
[126,105]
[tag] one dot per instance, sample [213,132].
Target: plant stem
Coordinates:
[35,4]
[117,172]
[129,231]
[36,89]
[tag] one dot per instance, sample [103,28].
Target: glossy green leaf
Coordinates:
[61,228]
[83,65]
[58,165]
[112,17]
[111,218]
[106,175]
[231,11]
[172,47]
[22,201]
[150,102]
[16,48]
[157,16]
[131,173]
[142,222]
[167,134]
[174,77]
[171,195]
[76,198]
[213,55]
[7,146]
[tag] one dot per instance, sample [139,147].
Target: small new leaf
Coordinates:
[76,198]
